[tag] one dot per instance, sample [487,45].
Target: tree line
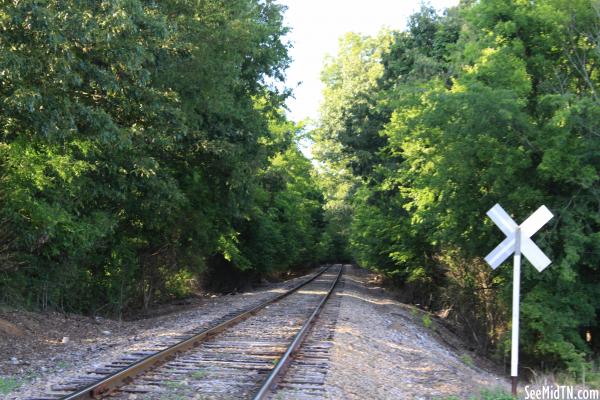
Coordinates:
[423,130]
[143,147]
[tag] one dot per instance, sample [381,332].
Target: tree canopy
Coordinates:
[491,101]
[143,143]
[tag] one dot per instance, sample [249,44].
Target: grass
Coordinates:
[175,385]
[198,374]
[588,376]
[9,384]
[176,391]
[173,396]
[467,359]
[495,395]
[593,379]
[62,365]
[282,396]
[427,321]
[487,395]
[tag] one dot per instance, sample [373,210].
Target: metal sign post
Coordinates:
[514,340]
[518,241]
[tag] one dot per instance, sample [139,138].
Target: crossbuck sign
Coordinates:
[518,241]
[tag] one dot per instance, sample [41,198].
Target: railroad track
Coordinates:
[255,354]
[302,377]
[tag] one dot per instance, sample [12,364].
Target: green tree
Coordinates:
[493,101]
[133,133]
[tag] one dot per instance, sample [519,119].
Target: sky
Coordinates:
[316,27]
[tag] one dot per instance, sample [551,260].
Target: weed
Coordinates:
[427,321]
[198,374]
[173,396]
[279,396]
[174,385]
[289,392]
[62,365]
[9,384]
[467,360]
[497,394]
[176,391]
[586,375]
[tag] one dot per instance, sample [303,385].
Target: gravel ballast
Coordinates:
[382,350]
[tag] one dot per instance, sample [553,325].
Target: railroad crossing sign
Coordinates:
[529,249]
[518,241]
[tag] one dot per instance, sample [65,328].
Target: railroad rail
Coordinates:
[302,371]
[222,361]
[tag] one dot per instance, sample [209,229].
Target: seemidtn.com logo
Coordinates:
[557,392]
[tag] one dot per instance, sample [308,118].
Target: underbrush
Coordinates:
[586,375]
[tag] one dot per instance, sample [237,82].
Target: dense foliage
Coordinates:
[493,101]
[142,144]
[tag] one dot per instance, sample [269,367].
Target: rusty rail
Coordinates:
[284,361]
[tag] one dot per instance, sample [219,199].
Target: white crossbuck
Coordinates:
[518,241]
[510,228]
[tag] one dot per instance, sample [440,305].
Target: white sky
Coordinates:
[316,27]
